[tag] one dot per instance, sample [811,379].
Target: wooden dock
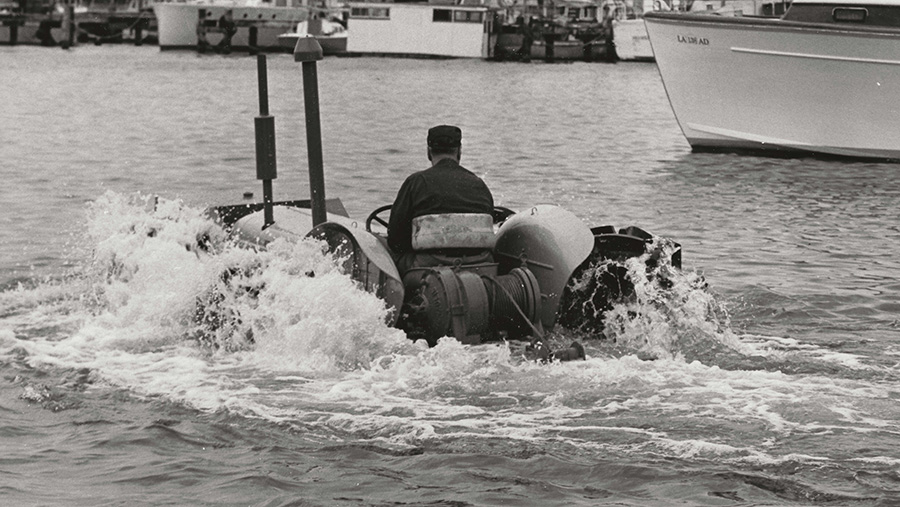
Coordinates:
[34,22]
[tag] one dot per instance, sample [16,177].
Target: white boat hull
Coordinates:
[631,40]
[331,45]
[177,24]
[410,29]
[772,85]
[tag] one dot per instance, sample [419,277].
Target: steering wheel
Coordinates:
[500,214]
[373,216]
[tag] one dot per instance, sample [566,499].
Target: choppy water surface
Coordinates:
[767,375]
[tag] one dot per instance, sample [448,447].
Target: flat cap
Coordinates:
[444,136]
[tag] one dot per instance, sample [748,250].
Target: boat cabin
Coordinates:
[419,29]
[740,8]
[855,12]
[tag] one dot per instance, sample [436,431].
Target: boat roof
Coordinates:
[849,2]
[435,5]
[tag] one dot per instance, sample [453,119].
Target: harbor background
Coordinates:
[775,383]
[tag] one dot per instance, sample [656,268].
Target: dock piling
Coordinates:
[253,34]
[139,26]
[69,26]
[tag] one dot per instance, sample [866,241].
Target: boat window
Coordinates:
[849,15]
[370,13]
[774,9]
[442,16]
[467,16]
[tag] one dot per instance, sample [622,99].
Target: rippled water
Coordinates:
[768,375]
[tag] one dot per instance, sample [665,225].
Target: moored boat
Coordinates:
[631,40]
[823,79]
[560,30]
[331,35]
[419,29]
[251,25]
[101,21]
[55,22]
[630,35]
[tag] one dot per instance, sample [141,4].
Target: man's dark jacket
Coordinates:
[447,187]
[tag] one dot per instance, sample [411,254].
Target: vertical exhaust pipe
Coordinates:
[265,143]
[308,51]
